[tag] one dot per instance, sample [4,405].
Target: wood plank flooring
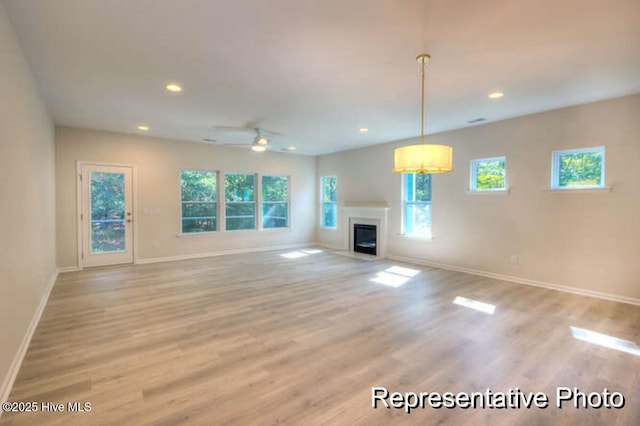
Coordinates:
[281,338]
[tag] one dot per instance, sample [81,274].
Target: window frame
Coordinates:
[555,168]
[404,233]
[473,174]
[216,202]
[256,196]
[323,203]
[263,202]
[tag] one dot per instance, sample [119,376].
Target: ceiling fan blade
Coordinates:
[224,143]
[238,136]
[233,129]
[249,128]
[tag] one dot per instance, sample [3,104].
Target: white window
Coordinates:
[199,201]
[240,201]
[416,204]
[329,201]
[578,168]
[488,174]
[275,201]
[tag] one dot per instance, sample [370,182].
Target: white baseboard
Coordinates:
[7,384]
[221,253]
[519,280]
[68,269]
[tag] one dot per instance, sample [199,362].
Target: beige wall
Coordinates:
[158,163]
[27,210]
[588,240]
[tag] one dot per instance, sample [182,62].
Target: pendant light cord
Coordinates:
[422,59]
[422,106]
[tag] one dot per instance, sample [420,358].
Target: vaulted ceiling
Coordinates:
[315,71]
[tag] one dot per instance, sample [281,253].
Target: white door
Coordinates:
[107,219]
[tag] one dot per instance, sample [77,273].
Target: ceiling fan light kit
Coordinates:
[423,158]
[259,143]
[258,147]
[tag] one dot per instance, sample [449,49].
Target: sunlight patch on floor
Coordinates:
[487,308]
[605,340]
[406,272]
[296,254]
[311,251]
[390,280]
[394,276]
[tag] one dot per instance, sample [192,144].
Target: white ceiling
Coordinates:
[317,70]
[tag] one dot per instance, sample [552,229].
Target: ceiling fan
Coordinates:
[239,136]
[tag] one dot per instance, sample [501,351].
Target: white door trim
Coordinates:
[134,199]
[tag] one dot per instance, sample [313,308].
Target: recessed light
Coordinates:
[496,95]
[173,87]
[363,130]
[291,148]
[143,127]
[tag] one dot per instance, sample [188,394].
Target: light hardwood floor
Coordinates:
[263,339]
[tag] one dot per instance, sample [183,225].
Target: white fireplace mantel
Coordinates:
[366,205]
[366,213]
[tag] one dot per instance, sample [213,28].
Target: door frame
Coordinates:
[79,201]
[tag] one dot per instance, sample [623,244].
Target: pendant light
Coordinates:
[423,158]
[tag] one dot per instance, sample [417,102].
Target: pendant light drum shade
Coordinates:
[423,158]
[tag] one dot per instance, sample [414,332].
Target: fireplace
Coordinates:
[371,213]
[365,238]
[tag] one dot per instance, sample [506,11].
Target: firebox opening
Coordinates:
[364,239]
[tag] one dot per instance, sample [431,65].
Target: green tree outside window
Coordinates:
[488,174]
[240,205]
[578,168]
[275,201]
[199,201]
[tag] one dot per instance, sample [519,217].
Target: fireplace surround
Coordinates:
[365,213]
